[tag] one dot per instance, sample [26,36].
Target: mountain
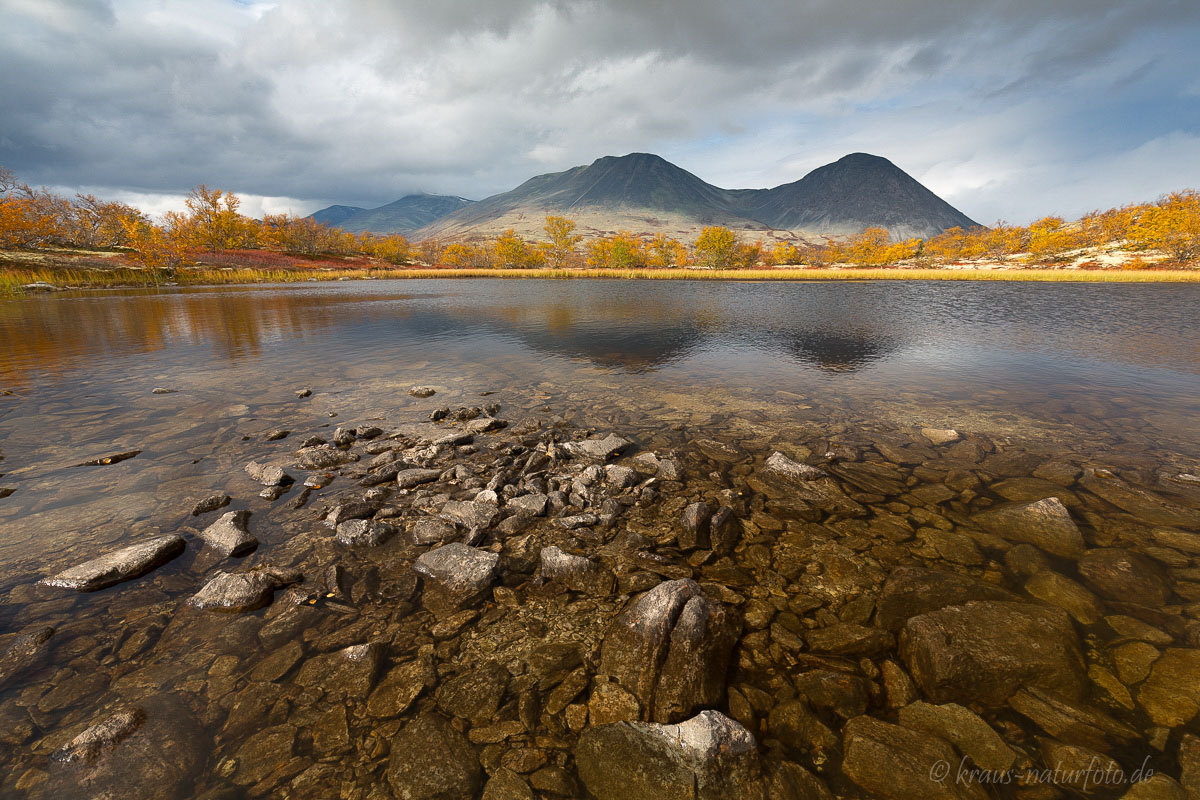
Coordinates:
[404,216]
[637,192]
[644,193]
[856,192]
[335,215]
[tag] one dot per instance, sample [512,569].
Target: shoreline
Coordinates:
[22,282]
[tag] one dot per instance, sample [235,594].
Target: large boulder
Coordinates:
[1045,524]
[671,650]
[984,651]
[456,575]
[894,763]
[243,591]
[433,761]
[229,535]
[119,565]
[708,756]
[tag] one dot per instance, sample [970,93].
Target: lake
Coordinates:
[1089,393]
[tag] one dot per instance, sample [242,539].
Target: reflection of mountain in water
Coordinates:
[847,351]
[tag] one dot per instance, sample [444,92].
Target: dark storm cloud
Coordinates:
[363,100]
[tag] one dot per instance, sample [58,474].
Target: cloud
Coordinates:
[361,101]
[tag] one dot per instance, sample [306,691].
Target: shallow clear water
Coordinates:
[1099,373]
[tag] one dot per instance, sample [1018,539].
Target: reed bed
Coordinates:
[13,279]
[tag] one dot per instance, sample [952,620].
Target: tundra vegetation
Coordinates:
[86,241]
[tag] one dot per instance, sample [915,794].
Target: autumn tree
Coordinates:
[622,251]
[716,247]
[783,253]
[1171,225]
[153,247]
[213,222]
[562,240]
[513,252]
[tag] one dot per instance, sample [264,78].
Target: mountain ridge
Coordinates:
[644,193]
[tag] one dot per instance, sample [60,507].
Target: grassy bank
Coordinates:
[12,280]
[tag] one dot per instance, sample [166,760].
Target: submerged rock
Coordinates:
[1125,575]
[984,651]
[26,651]
[102,736]
[243,591]
[433,761]
[322,457]
[119,565]
[804,488]
[154,752]
[1045,524]
[430,530]
[911,591]
[210,503]
[894,763]
[229,535]
[709,756]
[671,650]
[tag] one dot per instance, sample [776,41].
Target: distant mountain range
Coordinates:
[644,193]
[406,215]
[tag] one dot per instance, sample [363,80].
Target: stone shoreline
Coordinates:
[479,607]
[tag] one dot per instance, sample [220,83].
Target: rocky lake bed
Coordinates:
[526,579]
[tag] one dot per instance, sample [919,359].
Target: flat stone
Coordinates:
[268,474]
[364,532]
[597,449]
[1073,722]
[408,478]
[243,591]
[422,391]
[484,425]
[229,535]
[940,435]
[1045,524]
[210,503]
[105,735]
[120,565]
[693,524]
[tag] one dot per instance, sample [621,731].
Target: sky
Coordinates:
[1008,109]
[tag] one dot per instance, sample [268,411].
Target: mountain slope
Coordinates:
[639,191]
[856,192]
[404,216]
[334,216]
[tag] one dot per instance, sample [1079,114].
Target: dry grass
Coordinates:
[12,279]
